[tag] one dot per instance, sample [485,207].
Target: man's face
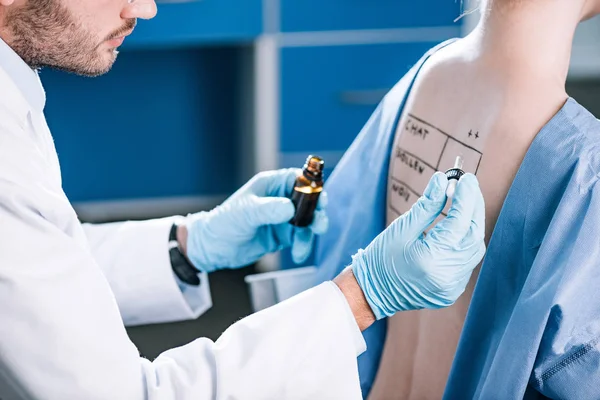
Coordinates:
[79,36]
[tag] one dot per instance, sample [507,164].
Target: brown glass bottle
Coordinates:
[307,190]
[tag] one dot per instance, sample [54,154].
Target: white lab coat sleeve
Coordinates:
[62,338]
[134,257]
[302,348]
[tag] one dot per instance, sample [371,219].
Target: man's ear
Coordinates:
[6,2]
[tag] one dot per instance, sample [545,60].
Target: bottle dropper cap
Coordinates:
[313,168]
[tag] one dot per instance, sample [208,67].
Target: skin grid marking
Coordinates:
[421,149]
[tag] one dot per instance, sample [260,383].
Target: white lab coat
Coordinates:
[65,291]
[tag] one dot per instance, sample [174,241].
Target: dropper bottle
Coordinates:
[307,189]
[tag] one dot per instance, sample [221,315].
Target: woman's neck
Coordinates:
[527,44]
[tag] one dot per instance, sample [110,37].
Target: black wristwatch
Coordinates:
[182,268]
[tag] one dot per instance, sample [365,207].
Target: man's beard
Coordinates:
[46,34]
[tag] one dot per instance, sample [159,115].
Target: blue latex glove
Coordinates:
[254,221]
[404,269]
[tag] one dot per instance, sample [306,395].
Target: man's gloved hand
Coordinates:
[254,221]
[403,269]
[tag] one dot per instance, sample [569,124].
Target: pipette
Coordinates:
[454,175]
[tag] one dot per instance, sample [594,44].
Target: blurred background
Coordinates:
[212,91]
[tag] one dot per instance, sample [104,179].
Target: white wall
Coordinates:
[585,60]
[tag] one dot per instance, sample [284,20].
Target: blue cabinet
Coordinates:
[130,135]
[196,21]
[328,93]
[322,15]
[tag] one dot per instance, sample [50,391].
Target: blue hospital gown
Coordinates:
[533,327]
